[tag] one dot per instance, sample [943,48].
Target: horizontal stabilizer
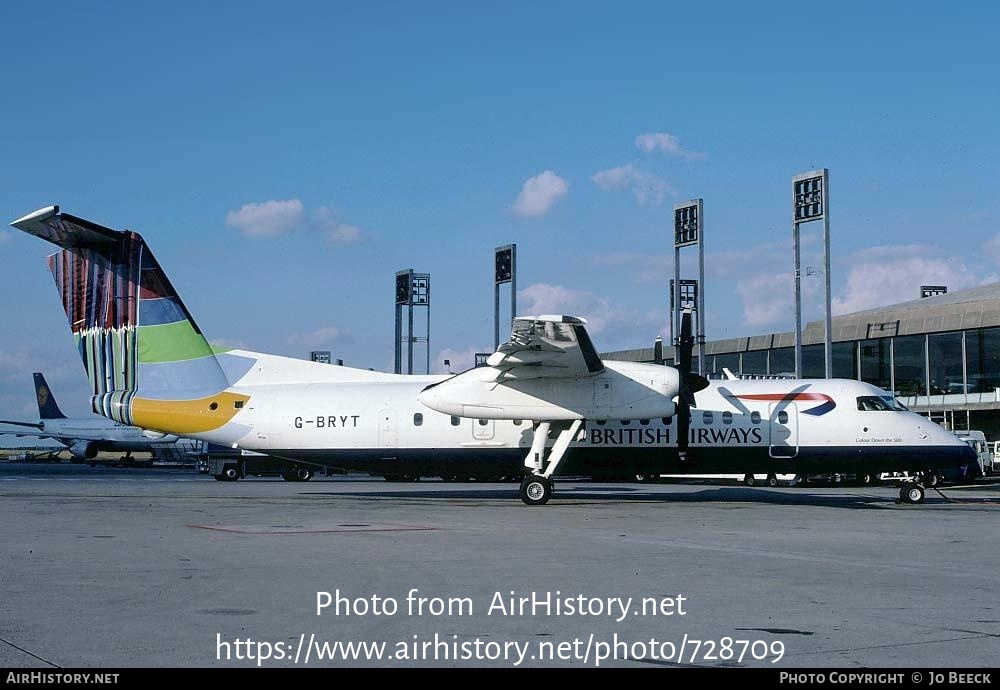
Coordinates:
[65,230]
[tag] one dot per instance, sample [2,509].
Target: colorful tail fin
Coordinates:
[147,361]
[47,407]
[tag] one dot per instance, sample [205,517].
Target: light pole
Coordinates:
[689,230]
[811,201]
[505,271]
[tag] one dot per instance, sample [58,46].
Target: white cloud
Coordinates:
[460,359]
[645,268]
[19,365]
[539,193]
[267,219]
[667,143]
[882,276]
[319,337]
[619,326]
[66,379]
[645,186]
[229,343]
[767,299]
[991,248]
[325,220]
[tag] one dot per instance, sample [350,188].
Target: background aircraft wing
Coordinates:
[32,425]
[61,437]
[547,347]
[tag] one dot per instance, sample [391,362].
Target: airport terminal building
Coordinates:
[940,355]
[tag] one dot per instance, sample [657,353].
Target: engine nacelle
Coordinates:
[83,450]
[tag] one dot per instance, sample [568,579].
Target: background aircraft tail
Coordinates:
[47,407]
[147,361]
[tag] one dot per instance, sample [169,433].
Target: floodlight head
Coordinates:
[809,194]
[687,223]
[504,264]
[403,286]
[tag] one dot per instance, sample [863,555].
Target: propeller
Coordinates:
[690,383]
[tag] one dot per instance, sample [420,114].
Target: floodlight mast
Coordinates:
[689,230]
[412,290]
[505,271]
[811,201]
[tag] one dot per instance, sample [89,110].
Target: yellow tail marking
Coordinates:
[187,416]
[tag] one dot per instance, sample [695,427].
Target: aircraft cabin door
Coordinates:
[783,427]
[483,429]
[387,437]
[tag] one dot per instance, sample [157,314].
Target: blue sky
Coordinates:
[283,160]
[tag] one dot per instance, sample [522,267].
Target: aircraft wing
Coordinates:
[61,437]
[33,425]
[547,347]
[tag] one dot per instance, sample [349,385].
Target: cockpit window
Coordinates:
[875,403]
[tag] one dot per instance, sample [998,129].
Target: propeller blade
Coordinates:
[685,397]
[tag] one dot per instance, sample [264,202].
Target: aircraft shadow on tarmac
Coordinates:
[568,494]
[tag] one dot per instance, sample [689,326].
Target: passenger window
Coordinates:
[727,417]
[455,421]
[238,404]
[517,422]
[601,422]
[782,417]
[624,422]
[644,422]
[483,422]
[666,421]
[706,417]
[418,419]
[755,417]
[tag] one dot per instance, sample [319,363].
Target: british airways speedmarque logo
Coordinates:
[827,405]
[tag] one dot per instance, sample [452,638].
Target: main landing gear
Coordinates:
[911,493]
[536,488]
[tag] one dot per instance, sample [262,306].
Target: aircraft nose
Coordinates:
[426,398]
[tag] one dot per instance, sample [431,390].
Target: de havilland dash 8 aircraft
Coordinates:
[545,401]
[85,437]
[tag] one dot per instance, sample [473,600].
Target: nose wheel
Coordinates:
[536,490]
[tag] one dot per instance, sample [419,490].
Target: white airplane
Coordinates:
[85,437]
[149,365]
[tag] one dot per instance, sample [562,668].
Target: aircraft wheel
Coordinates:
[913,493]
[230,473]
[750,480]
[772,481]
[303,474]
[865,479]
[536,491]
[931,479]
